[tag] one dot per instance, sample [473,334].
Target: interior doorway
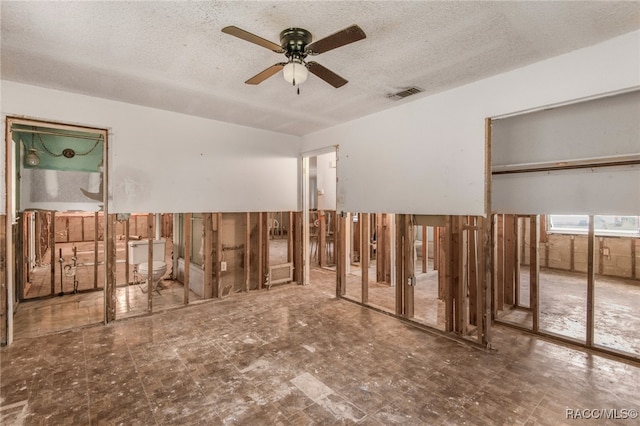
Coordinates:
[319,189]
[56,210]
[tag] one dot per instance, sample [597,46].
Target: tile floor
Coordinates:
[298,356]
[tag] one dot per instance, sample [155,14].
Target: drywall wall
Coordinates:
[326,181]
[427,156]
[595,129]
[162,161]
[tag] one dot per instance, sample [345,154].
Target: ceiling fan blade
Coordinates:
[326,74]
[346,36]
[262,76]
[252,38]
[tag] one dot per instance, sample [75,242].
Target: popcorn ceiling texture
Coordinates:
[173,56]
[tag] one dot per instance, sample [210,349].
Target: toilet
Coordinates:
[139,256]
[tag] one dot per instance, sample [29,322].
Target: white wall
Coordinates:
[163,161]
[427,156]
[600,128]
[326,181]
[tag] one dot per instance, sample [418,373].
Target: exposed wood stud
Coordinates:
[409,266]
[298,266]
[425,249]
[516,262]
[534,271]
[341,254]
[110,268]
[449,274]
[509,259]
[500,262]
[52,245]
[264,250]
[260,253]
[150,223]
[484,297]
[364,255]
[591,280]
[600,256]
[126,262]
[216,245]
[634,272]
[322,238]
[383,252]
[290,236]
[436,247]
[3,280]
[208,260]
[96,235]
[187,256]
[247,251]
[485,288]
[441,255]
[399,245]
[572,253]
[461,282]
[472,257]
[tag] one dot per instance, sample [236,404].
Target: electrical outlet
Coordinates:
[223,266]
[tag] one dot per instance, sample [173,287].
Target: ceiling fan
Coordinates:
[297,44]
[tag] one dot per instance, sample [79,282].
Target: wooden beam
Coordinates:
[126,262]
[441,256]
[4,314]
[601,256]
[217,254]
[110,269]
[486,224]
[534,270]
[449,274]
[399,263]
[364,255]
[208,258]
[322,238]
[290,234]
[383,252]
[52,247]
[187,257]
[400,270]
[298,261]
[516,261]
[634,273]
[572,253]
[264,250]
[472,273]
[591,275]
[500,262]
[150,223]
[509,259]
[247,252]
[484,296]
[409,267]
[425,249]
[436,247]
[341,254]
[460,249]
[96,236]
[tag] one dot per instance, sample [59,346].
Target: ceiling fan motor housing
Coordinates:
[294,41]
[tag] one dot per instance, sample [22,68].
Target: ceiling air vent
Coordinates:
[407,91]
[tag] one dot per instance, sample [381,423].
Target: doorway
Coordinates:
[56,206]
[319,216]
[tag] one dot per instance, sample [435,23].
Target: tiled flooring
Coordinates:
[296,356]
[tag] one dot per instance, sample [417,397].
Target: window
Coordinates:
[624,226]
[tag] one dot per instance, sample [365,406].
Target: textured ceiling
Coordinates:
[173,55]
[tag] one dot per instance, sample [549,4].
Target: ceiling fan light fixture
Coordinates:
[295,72]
